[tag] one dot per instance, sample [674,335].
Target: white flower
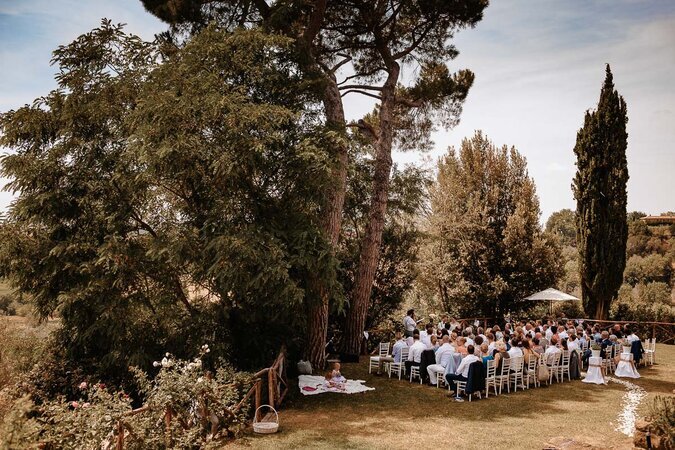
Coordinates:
[157,364]
[168,354]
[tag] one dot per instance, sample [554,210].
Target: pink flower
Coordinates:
[86,405]
[75,405]
[83,385]
[101,386]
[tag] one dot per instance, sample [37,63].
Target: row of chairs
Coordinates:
[513,371]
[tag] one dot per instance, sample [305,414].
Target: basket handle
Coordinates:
[255,416]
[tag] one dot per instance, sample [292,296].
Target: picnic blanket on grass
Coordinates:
[314,384]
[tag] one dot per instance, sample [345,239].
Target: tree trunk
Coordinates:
[372,239]
[317,315]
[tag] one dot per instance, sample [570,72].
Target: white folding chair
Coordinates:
[564,367]
[531,372]
[650,352]
[503,376]
[516,372]
[399,367]
[375,360]
[415,373]
[491,378]
[440,379]
[553,363]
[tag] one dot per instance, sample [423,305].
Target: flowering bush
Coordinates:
[185,406]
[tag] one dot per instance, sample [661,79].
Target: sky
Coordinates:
[539,65]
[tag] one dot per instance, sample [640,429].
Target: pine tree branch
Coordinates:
[355,91]
[361,86]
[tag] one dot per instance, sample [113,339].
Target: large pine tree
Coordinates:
[600,191]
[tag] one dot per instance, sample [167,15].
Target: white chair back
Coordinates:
[384,348]
[404,354]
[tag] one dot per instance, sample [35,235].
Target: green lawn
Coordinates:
[403,415]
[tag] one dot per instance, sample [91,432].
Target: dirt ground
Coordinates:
[399,415]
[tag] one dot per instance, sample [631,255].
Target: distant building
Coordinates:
[658,220]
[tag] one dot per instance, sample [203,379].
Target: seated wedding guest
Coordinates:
[537,347]
[461,346]
[446,330]
[631,336]
[425,335]
[490,342]
[528,352]
[498,333]
[477,346]
[515,350]
[562,332]
[415,352]
[399,345]
[552,350]
[481,333]
[548,332]
[500,354]
[572,343]
[395,352]
[434,343]
[529,330]
[467,335]
[616,331]
[462,372]
[443,355]
[485,353]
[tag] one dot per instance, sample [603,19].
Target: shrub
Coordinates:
[662,416]
[200,404]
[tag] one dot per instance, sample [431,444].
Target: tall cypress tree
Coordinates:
[600,191]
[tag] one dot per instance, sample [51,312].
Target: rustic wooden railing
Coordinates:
[277,387]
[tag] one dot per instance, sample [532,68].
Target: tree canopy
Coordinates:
[486,249]
[157,202]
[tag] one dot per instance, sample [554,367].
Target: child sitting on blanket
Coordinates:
[334,379]
[336,375]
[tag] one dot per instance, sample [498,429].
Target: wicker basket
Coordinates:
[265,427]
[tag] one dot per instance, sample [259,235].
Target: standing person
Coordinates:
[441,324]
[409,323]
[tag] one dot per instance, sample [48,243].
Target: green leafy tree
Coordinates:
[563,224]
[600,191]
[486,250]
[372,41]
[162,206]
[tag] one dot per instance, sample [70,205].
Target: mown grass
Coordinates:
[403,415]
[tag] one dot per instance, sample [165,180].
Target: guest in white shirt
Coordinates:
[415,353]
[515,350]
[462,372]
[425,335]
[552,350]
[409,323]
[563,333]
[631,336]
[443,355]
[548,333]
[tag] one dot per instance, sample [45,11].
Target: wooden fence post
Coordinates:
[270,386]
